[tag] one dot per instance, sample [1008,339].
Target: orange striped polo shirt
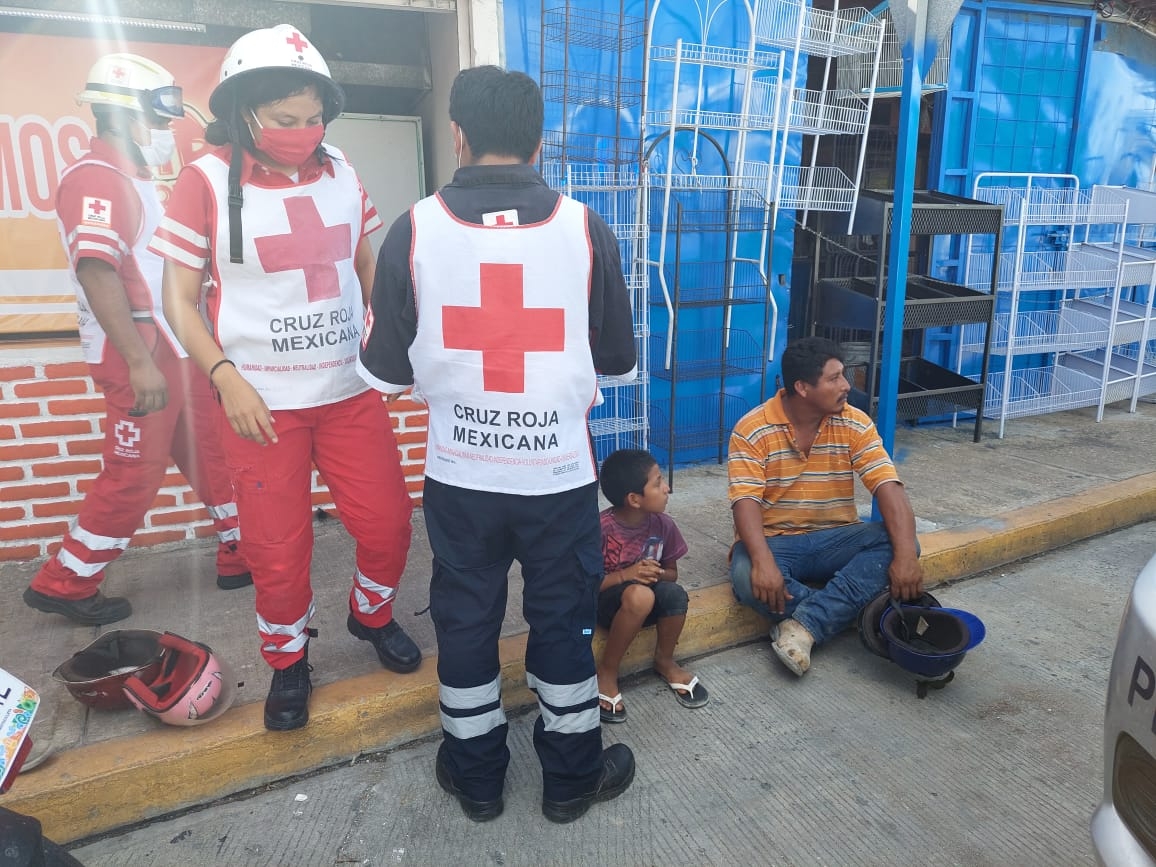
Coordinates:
[800,493]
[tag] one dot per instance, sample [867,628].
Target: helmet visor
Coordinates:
[164,101]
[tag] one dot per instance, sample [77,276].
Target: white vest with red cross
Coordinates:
[502,352]
[149,265]
[289,317]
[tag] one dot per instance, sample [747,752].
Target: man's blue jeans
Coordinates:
[850,562]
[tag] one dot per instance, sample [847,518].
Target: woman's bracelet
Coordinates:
[213,369]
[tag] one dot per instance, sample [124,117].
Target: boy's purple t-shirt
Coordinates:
[623,546]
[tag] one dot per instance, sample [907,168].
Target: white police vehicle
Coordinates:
[1124,825]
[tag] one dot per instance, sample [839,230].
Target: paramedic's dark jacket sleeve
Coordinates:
[611,319]
[384,361]
[477,190]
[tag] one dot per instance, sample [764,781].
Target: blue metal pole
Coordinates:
[900,236]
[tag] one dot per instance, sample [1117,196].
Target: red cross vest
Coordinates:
[502,352]
[289,317]
[144,307]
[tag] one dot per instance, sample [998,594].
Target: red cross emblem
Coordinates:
[309,246]
[118,72]
[503,330]
[97,207]
[298,42]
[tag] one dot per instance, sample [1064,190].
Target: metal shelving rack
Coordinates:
[857,303]
[592,69]
[734,207]
[854,73]
[800,31]
[1074,295]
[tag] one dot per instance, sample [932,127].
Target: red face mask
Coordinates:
[289,147]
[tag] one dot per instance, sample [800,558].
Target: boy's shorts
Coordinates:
[670,600]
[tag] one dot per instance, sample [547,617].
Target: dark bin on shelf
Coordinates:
[932,213]
[849,302]
[926,389]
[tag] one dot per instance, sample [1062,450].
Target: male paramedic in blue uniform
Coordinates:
[500,300]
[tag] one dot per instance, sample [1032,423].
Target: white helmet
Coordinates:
[135,83]
[279,47]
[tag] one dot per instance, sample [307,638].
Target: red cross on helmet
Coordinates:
[279,47]
[135,83]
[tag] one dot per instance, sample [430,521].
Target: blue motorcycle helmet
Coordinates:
[921,637]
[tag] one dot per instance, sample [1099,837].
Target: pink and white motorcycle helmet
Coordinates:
[192,685]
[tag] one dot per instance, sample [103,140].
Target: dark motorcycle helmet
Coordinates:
[95,676]
[871,620]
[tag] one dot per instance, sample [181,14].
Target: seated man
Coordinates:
[792,495]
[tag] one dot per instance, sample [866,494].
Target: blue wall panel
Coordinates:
[1017,82]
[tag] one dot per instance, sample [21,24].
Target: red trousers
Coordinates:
[352,444]
[136,458]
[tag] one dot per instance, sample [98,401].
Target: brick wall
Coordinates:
[50,444]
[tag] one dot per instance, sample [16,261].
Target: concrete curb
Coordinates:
[115,783]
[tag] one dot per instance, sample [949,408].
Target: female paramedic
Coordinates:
[274,224]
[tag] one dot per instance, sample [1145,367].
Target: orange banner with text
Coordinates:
[43,130]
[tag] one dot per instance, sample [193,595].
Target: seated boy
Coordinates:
[641,547]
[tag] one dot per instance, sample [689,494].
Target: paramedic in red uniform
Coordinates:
[158,403]
[279,225]
[499,300]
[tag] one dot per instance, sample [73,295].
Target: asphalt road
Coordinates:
[845,766]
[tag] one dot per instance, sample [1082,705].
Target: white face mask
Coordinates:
[161,147]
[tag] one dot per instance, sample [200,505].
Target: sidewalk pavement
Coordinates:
[1052,480]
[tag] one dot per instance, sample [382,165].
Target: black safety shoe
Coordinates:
[287,706]
[476,811]
[234,582]
[94,610]
[395,649]
[617,774]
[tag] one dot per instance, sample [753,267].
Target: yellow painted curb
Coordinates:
[94,789]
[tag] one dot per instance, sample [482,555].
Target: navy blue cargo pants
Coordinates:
[475,537]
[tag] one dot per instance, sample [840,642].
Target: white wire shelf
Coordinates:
[821,188]
[1040,390]
[817,112]
[1122,373]
[707,119]
[600,427]
[1047,270]
[722,58]
[818,188]
[1068,329]
[586,178]
[1137,264]
[794,25]
[751,186]
[839,112]
[1130,318]
[854,72]
[1088,206]
[641,379]
[628,231]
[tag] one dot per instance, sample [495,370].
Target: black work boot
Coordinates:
[94,610]
[395,649]
[476,811]
[287,706]
[617,774]
[236,581]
